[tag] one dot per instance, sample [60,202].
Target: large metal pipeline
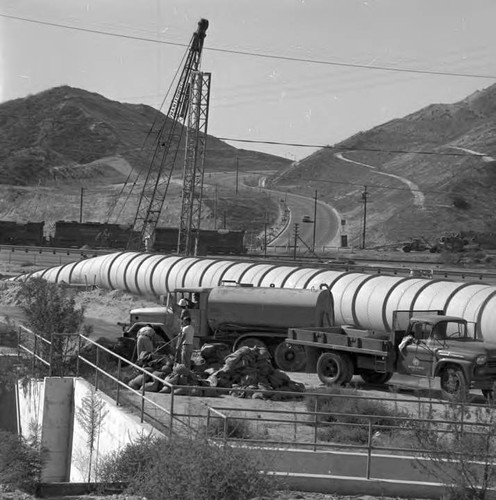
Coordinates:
[366,300]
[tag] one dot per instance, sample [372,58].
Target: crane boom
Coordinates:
[158,176]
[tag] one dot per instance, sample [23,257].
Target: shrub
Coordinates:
[460,202]
[234,429]
[460,453]
[186,469]
[20,463]
[353,426]
[50,308]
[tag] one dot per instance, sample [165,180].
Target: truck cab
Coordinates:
[447,347]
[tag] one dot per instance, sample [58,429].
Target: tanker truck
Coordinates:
[243,315]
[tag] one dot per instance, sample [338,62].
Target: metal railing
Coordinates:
[311,427]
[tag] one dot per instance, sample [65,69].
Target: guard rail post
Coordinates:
[34,350]
[97,362]
[316,423]
[78,353]
[171,410]
[118,392]
[50,356]
[369,450]
[142,416]
[226,427]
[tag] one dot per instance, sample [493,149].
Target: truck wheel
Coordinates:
[334,368]
[372,377]
[453,383]
[290,357]
[251,342]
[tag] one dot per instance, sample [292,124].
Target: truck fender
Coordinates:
[464,364]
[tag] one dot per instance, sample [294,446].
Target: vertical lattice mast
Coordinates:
[167,145]
[194,162]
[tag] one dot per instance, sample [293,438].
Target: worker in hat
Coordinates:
[184,305]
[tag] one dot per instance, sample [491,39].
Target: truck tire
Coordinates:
[372,377]
[251,342]
[334,368]
[453,383]
[290,357]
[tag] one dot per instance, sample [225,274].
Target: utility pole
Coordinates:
[314,221]
[81,207]
[295,239]
[237,173]
[215,207]
[265,238]
[364,200]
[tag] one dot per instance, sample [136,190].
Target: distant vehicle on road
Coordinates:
[306,218]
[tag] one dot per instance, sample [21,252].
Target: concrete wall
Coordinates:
[63,413]
[116,428]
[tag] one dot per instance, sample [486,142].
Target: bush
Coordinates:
[186,469]
[235,429]
[20,463]
[51,309]
[353,427]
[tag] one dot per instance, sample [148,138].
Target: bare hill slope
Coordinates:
[49,134]
[55,144]
[421,171]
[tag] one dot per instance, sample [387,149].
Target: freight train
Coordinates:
[97,235]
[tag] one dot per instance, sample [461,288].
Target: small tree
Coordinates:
[50,309]
[91,416]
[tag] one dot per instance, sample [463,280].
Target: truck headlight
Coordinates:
[481,360]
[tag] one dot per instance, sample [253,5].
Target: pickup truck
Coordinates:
[430,345]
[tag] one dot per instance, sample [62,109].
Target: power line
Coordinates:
[257,54]
[341,148]
[145,148]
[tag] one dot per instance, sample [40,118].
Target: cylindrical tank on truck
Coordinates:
[256,316]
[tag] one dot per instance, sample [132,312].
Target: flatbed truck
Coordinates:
[425,344]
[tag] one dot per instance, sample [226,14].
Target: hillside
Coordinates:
[68,127]
[410,194]
[55,144]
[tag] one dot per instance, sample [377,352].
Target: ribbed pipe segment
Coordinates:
[365,300]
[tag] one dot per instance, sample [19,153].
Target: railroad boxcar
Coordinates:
[222,242]
[15,233]
[92,234]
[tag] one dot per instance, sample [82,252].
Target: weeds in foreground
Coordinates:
[345,419]
[186,469]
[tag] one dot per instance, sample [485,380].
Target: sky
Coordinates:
[300,73]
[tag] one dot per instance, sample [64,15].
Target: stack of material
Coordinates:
[249,372]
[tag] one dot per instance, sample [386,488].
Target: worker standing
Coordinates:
[186,338]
